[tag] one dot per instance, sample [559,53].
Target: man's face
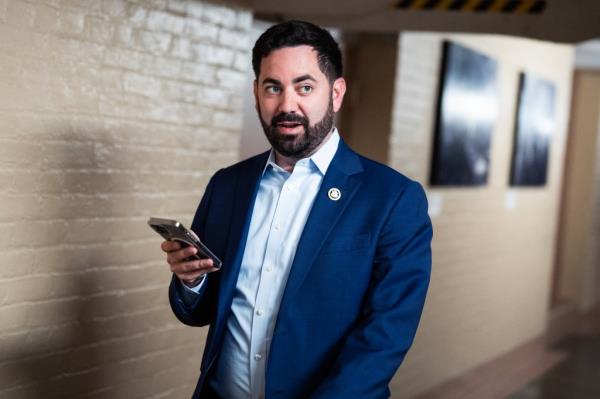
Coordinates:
[295,100]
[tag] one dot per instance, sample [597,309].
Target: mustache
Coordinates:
[289,117]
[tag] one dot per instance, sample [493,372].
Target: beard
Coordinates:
[301,145]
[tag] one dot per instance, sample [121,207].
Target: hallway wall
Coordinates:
[591,281]
[578,260]
[493,246]
[110,112]
[370,64]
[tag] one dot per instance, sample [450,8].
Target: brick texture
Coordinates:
[493,246]
[111,112]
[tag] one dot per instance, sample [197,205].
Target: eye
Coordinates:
[305,89]
[273,89]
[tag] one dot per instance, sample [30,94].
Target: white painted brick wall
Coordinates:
[110,112]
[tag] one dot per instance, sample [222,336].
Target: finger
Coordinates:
[165,246]
[181,255]
[192,266]
[183,267]
[191,276]
[169,246]
[195,275]
[206,263]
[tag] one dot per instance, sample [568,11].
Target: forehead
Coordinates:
[290,62]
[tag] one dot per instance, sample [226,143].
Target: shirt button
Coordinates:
[269,269]
[260,312]
[258,356]
[277,227]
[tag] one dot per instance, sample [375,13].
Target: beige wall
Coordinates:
[110,112]
[578,242]
[592,298]
[591,254]
[370,64]
[493,246]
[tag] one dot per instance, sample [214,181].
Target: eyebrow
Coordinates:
[271,81]
[303,78]
[295,80]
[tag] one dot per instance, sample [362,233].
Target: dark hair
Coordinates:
[298,33]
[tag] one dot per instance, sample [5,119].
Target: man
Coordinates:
[326,254]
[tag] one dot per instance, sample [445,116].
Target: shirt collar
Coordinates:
[321,159]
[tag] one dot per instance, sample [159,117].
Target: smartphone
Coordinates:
[172,230]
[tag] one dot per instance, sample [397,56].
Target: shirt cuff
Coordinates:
[195,289]
[189,295]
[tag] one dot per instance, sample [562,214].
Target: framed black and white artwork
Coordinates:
[466,116]
[534,127]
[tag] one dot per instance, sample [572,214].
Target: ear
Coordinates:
[337,93]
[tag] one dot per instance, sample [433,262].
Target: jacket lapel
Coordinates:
[343,174]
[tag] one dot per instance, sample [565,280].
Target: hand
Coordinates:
[188,271]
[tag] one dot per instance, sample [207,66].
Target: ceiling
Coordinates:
[567,21]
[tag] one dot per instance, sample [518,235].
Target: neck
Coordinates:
[287,163]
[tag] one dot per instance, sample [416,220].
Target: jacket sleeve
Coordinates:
[195,310]
[384,331]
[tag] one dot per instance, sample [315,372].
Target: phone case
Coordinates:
[173,230]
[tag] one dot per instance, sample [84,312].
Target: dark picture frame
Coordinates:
[467,109]
[534,128]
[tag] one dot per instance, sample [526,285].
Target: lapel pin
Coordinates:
[334,194]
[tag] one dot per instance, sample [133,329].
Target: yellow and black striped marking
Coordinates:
[505,6]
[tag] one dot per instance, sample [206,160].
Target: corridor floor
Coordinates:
[576,377]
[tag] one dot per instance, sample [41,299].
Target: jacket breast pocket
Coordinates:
[346,243]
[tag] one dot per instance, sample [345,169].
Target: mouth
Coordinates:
[289,127]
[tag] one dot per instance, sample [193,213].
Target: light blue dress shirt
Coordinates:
[282,206]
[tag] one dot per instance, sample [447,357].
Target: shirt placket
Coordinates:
[271,271]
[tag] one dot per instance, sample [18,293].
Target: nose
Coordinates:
[288,103]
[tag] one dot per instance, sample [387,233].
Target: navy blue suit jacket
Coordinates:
[356,287]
